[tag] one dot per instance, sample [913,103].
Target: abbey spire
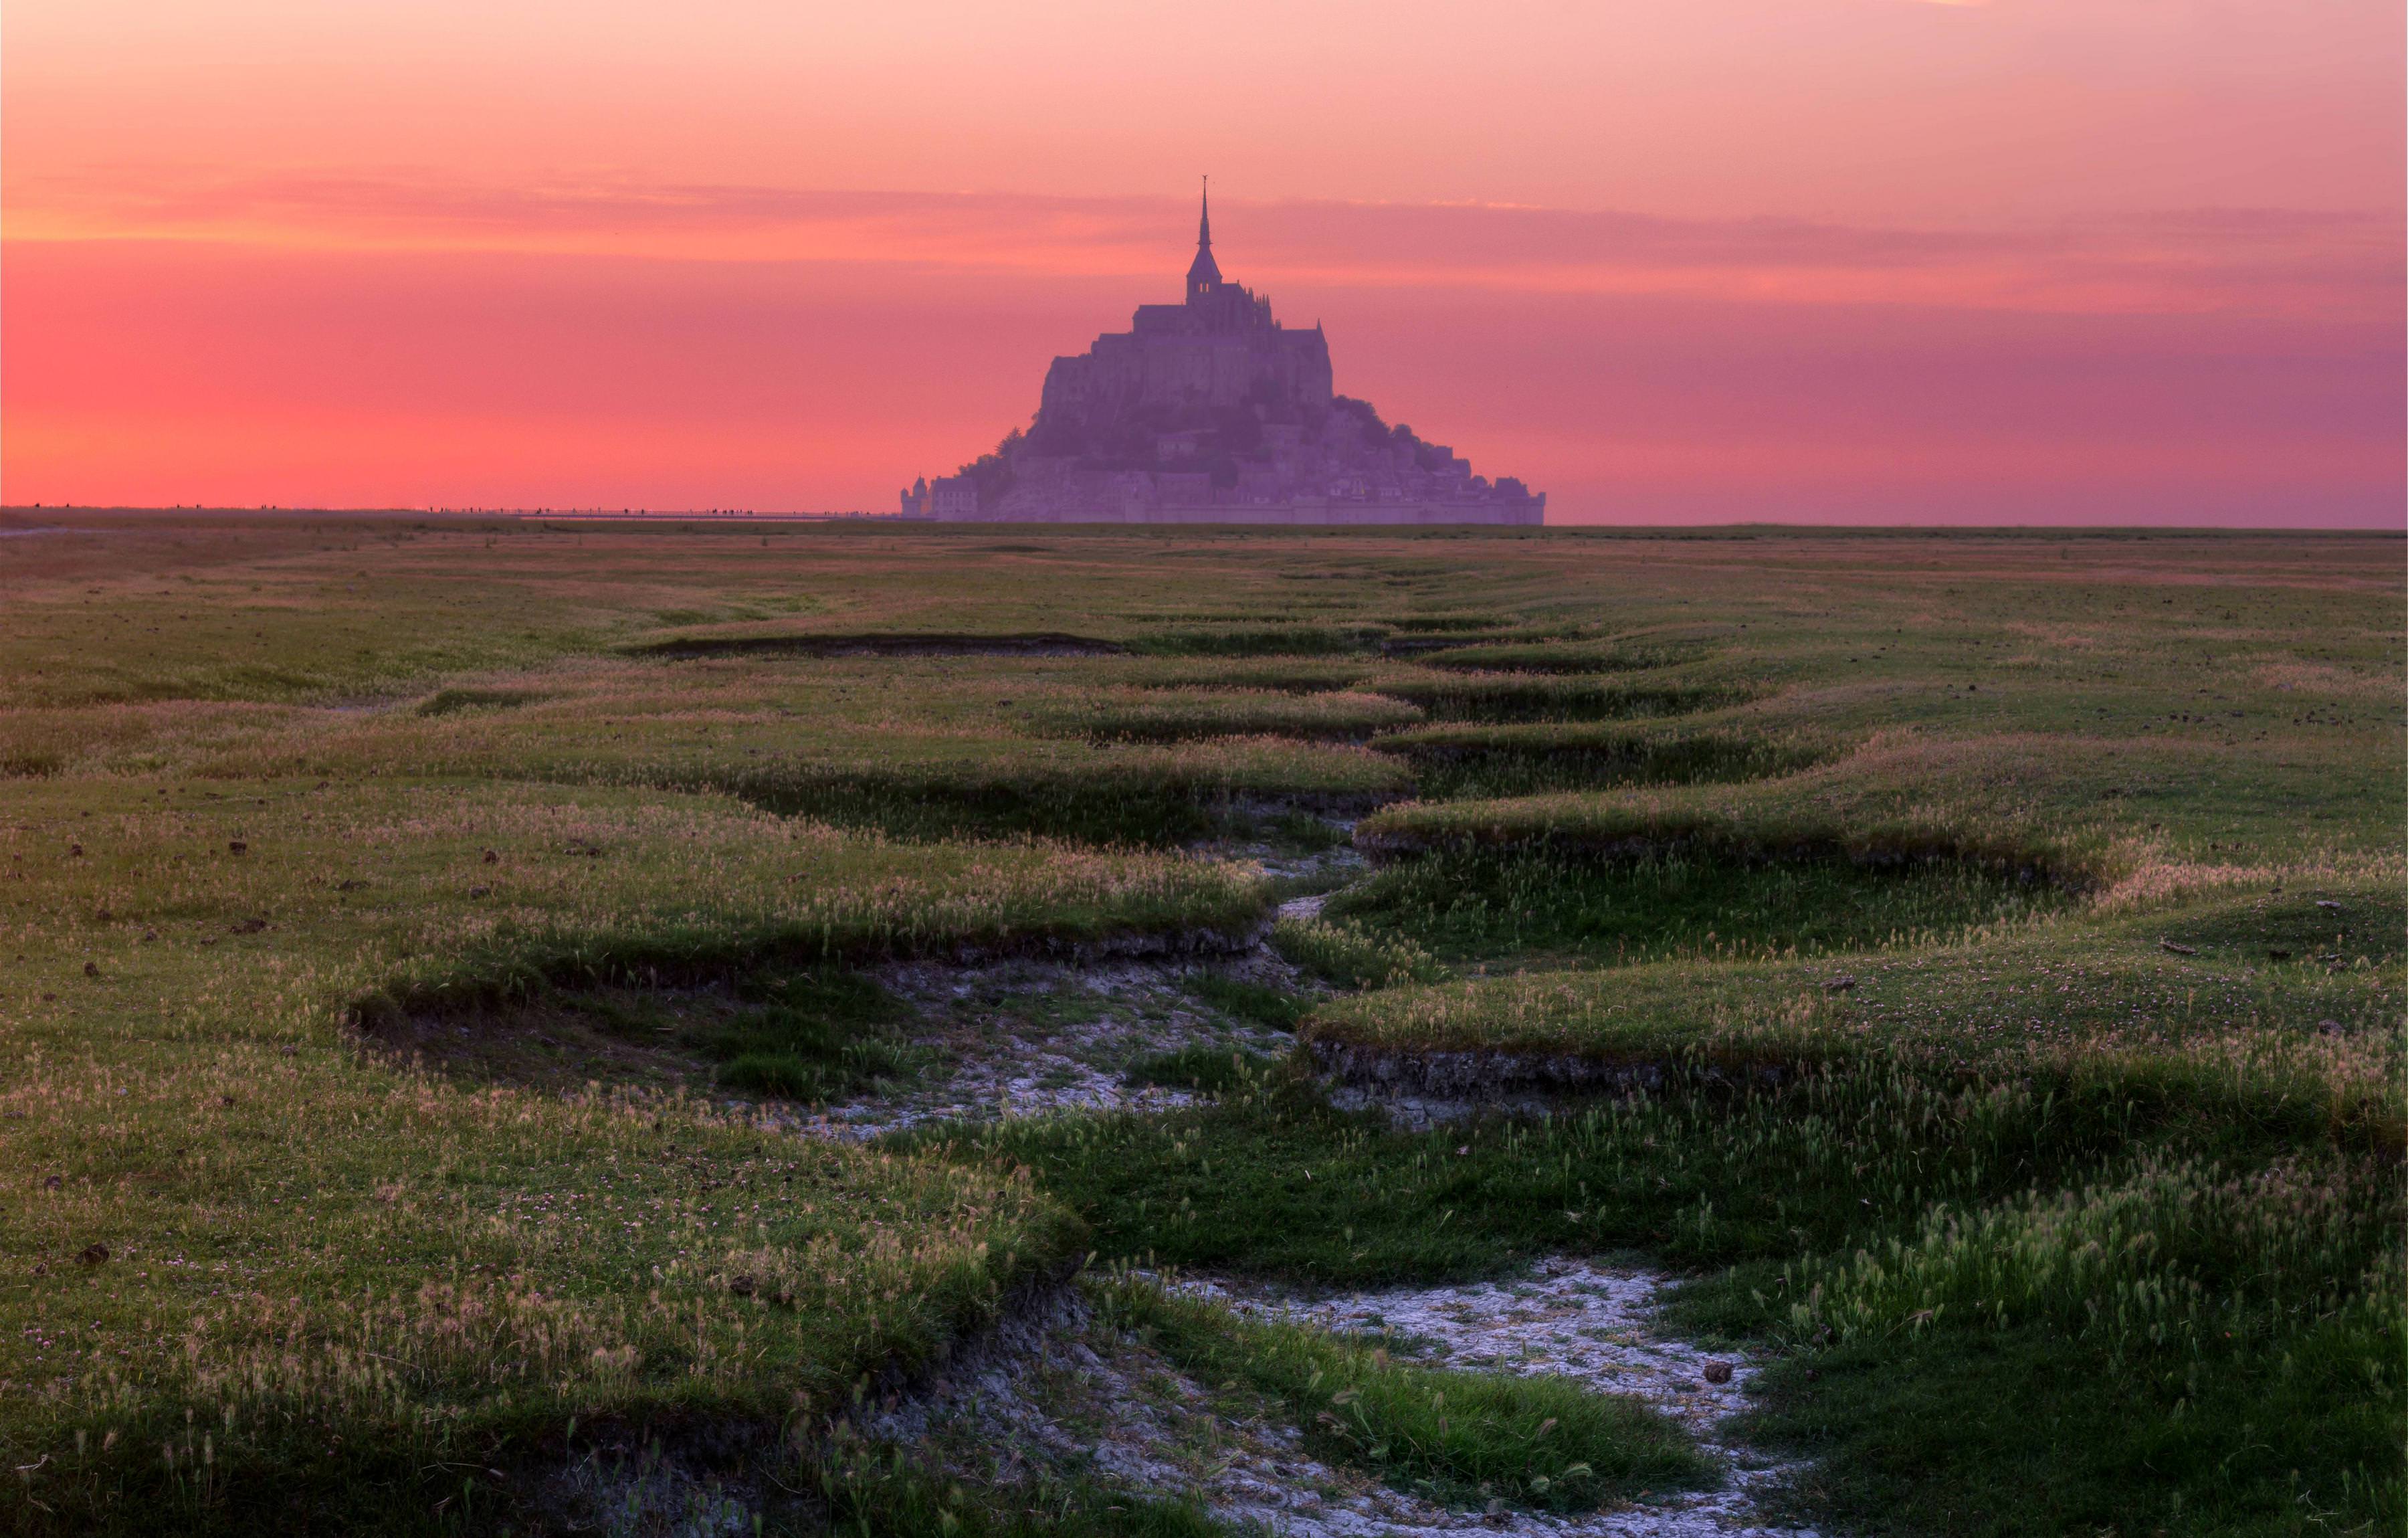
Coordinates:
[1203,274]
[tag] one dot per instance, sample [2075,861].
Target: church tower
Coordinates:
[1203,274]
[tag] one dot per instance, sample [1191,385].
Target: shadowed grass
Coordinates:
[1259,1002]
[1567,657]
[453,701]
[1290,675]
[1146,796]
[1447,624]
[1506,698]
[1548,909]
[877,643]
[1209,1069]
[1245,641]
[2039,1437]
[1461,762]
[882,1492]
[809,1036]
[1160,717]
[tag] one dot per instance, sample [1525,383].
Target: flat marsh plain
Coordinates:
[1972,961]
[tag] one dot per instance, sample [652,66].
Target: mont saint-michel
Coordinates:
[1210,411]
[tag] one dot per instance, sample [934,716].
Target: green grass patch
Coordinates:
[1289,675]
[1447,624]
[1566,657]
[1454,762]
[2178,1031]
[1352,956]
[599,1248]
[810,1036]
[453,701]
[1559,909]
[883,1492]
[2020,1433]
[1257,1002]
[1501,697]
[1259,641]
[1130,794]
[1300,832]
[1160,717]
[265,1182]
[1273,1182]
[1891,803]
[1210,1069]
[879,643]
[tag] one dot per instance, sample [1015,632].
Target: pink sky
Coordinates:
[1838,260]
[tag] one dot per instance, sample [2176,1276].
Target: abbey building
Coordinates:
[1210,411]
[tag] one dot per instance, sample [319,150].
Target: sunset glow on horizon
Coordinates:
[1846,261]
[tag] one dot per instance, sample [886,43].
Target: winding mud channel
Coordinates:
[1056,1392]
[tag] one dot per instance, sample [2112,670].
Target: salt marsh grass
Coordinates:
[1481,762]
[1546,909]
[1352,956]
[2004,955]
[2178,1255]
[1563,656]
[1499,698]
[1005,753]
[1157,716]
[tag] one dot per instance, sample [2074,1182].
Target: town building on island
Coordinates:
[1210,411]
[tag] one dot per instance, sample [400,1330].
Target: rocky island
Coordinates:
[1210,411]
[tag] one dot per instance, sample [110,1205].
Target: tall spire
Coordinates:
[1203,274]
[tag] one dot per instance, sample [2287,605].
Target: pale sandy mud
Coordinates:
[1057,1393]
[1333,867]
[1572,1320]
[1032,1038]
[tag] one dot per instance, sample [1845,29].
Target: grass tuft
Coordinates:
[1259,1002]
[1352,956]
[884,1493]
[453,701]
[1208,1069]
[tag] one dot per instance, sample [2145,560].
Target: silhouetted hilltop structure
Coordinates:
[1210,411]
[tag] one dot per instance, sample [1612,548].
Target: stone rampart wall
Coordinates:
[1309,511]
